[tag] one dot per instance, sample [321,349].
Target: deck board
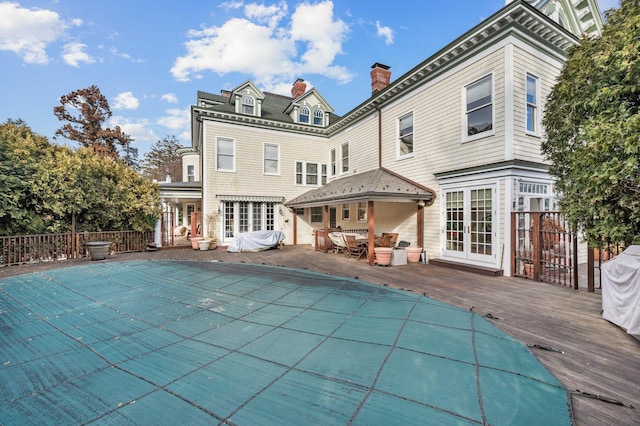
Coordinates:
[598,357]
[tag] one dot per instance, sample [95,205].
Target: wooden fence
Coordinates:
[21,249]
[595,257]
[543,248]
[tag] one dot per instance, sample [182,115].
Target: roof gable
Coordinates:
[312,98]
[578,17]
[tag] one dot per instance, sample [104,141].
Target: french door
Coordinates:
[469,223]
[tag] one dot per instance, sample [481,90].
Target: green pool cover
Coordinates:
[168,342]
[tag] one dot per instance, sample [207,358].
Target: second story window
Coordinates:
[532,104]
[313,174]
[344,149]
[271,159]
[304,114]
[191,173]
[479,114]
[248,105]
[332,156]
[405,135]
[225,154]
[318,117]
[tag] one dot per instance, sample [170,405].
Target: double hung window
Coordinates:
[271,159]
[344,149]
[225,154]
[304,115]
[405,135]
[318,117]
[248,104]
[532,104]
[314,174]
[479,107]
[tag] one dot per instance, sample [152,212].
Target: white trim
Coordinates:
[342,171]
[218,169]
[413,132]
[276,145]
[509,113]
[465,125]
[538,114]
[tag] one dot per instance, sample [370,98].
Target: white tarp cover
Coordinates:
[621,290]
[255,241]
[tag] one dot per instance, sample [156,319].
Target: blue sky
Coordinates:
[149,58]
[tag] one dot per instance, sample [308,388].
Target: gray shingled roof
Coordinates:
[273,106]
[378,185]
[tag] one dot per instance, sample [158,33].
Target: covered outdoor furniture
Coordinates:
[337,242]
[621,290]
[255,241]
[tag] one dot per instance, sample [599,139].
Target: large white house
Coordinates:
[441,155]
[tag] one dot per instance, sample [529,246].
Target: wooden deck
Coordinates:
[597,357]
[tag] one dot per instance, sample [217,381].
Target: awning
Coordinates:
[251,198]
[375,185]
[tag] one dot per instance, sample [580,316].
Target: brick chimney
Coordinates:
[380,77]
[298,88]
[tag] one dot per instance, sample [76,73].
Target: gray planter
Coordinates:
[99,250]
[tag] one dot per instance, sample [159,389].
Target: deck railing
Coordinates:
[21,249]
[543,248]
[322,241]
[595,257]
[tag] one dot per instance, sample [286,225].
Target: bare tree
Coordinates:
[86,111]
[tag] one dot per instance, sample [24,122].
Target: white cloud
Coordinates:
[116,52]
[126,100]
[170,98]
[28,32]
[385,32]
[140,130]
[74,53]
[178,121]
[265,45]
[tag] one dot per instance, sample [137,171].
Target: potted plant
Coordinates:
[98,249]
[413,253]
[383,255]
[212,221]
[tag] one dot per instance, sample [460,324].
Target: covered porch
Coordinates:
[181,203]
[375,188]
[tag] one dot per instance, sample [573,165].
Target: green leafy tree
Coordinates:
[592,123]
[86,111]
[43,185]
[163,159]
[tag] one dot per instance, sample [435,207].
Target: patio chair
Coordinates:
[354,248]
[389,239]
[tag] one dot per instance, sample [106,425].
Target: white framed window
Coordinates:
[311,174]
[479,108]
[225,154]
[362,211]
[344,157]
[248,105]
[346,212]
[405,136]
[532,104]
[318,117]
[332,159]
[271,159]
[191,173]
[303,116]
[315,214]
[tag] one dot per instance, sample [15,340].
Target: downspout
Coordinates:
[377,107]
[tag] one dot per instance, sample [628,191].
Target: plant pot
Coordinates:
[204,244]
[383,255]
[528,269]
[194,242]
[413,254]
[99,250]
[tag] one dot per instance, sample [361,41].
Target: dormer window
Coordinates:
[248,105]
[304,115]
[318,117]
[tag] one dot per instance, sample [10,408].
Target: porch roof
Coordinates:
[375,185]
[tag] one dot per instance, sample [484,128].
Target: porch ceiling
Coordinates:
[377,185]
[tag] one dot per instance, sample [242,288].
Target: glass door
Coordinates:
[469,227]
